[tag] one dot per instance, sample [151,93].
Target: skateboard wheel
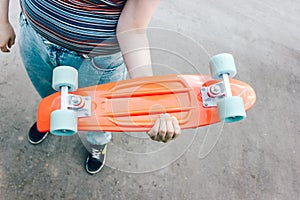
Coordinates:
[63,123]
[65,76]
[231,109]
[222,64]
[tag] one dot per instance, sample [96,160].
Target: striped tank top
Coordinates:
[84,26]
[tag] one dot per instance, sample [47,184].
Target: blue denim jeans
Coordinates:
[40,57]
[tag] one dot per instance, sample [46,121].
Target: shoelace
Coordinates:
[96,153]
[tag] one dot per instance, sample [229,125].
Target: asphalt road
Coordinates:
[258,158]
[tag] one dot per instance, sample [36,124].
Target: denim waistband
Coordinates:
[86,56]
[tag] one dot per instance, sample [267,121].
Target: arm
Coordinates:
[7,34]
[132,37]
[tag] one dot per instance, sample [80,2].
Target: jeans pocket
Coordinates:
[107,62]
[116,74]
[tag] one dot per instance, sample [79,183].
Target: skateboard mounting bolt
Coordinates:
[76,100]
[216,89]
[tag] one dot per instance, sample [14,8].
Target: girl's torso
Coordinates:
[84,26]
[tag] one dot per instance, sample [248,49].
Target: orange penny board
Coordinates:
[134,105]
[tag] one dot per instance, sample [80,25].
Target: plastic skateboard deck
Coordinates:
[134,105]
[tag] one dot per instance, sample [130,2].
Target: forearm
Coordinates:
[136,53]
[4,4]
[132,36]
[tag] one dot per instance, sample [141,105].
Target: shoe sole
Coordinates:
[38,142]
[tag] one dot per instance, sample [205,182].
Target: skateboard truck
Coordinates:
[81,105]
[64,121]
[211,94]
[230,108]
[222,68]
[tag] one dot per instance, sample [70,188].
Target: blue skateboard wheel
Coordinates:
[231,109]
[65,76]
[63,123]
[222,64]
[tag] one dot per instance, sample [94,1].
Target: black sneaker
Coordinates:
[96,159]
[36,137]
